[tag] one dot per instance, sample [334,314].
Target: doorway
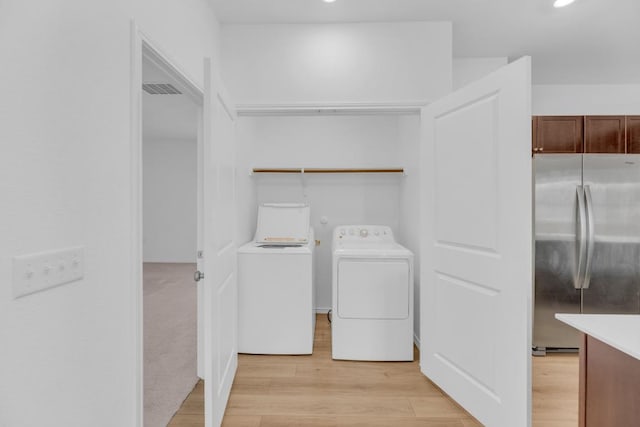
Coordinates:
[169,202]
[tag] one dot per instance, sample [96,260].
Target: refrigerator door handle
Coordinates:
[590,237]
[581,235]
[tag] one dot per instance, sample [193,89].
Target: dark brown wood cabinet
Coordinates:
[609,386]
[633,134]
[534,128]
[558,134]
[585,134]
[604,134]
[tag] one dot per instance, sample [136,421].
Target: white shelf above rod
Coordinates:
[327,170]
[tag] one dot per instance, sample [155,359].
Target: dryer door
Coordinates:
[373,288]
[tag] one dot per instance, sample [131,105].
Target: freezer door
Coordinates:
[558,179]
[612,189]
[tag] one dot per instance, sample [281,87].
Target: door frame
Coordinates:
[143,47]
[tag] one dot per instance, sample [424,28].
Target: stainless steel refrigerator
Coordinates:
[587,241]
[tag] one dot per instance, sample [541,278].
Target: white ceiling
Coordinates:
[166,117]
[588,42]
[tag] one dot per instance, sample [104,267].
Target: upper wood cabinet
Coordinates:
[633,134]
[558,134]
[604,134]
[534,132]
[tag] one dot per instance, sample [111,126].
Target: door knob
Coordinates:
[197,276]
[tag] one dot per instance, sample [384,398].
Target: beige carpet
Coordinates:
[170,305]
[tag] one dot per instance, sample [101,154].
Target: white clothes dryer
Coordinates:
[276,295]
[372,310]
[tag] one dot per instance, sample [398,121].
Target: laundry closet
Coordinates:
[338,143]
[370,110]
[344,99]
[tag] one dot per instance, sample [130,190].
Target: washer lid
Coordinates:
[283,224]
[253,248]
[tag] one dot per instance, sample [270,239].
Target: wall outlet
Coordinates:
[37,272]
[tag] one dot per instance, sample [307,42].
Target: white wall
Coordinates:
[169,201]
[246,189]
[409,234]
[340,141]
[67,354]
[586,99]
[331,63]
[467,70]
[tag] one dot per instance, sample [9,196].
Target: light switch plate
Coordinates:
[37,272]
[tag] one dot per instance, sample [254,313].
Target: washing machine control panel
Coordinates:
[363,233]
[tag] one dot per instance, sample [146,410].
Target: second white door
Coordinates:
[476,246]
[220,303]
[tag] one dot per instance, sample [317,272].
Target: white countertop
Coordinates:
[621,331]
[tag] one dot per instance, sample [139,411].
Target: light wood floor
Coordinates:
[301,391]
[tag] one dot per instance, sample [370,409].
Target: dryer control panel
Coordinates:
[364,233]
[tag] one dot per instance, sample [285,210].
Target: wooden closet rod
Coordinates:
[327,170]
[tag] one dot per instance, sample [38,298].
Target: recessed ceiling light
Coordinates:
[562,3]
[329,1]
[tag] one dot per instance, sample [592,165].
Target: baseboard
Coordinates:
[416,341]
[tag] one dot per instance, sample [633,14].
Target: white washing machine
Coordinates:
[372,310]
[276,295]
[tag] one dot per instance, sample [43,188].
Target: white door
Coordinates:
[476,246]
[220,303]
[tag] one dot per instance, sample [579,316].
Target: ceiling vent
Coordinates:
[160,89]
